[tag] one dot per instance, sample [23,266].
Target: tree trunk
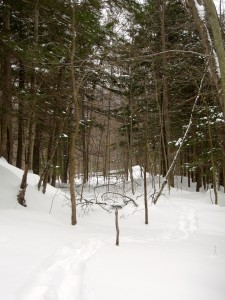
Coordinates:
[198,174]
[146,157]
[214,172]
[117,227]
[165,100]
[181,144]
[54,171]
[36,152]
[75,120]
[85,150]
[20,147]
[50,156]
[208,45]
[21,196]
[145,189]
[31,123]
[6,140]
[218,42]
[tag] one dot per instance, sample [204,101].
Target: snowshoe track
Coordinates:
[62,278]
[188,221]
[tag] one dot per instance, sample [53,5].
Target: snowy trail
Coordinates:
[61,278]
[188,221]
[185,224]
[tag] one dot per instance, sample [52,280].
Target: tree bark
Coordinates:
[75,120]
[214,172]
[6,140]
[218,42]
[208,46]
[165,100]
[20,147]
[36,152]
[117,227]
[31,122]
[145,189]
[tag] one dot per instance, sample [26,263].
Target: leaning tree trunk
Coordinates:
[181,143]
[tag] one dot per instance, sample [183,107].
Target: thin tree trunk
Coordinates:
[20,148]
[54,172]
[198,174]
[36,152]
[165,100]
[108,139]
[117,227]
[75,119]
[223,182]
[21,196]
[31,123]
[145,188]
[50,155]
[85,157]
[31,140]
[214,175]
[6,140]
[162,150]
[146,158]
[64,161]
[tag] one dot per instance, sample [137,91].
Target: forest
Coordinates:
[112,119]
[93,87]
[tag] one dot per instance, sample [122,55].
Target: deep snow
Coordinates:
[180,255]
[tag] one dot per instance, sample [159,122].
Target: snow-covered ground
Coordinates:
[180,255]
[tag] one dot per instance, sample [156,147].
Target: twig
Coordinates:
[123,196]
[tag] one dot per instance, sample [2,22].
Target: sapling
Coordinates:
[116,208]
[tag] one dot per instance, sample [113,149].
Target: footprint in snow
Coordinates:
[61,278]
[188,221]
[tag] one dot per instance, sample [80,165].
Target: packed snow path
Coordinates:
[62,276]
[188,221]
[172,262]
